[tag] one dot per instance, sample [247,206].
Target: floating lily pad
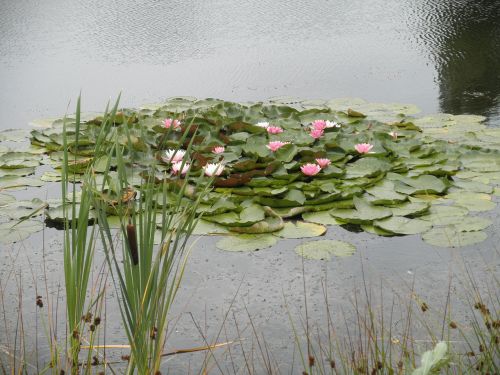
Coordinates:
[473,201]
[301,230]
[451,237]
[444,215]
[473,223]
[246,242]
[15,182]
[204,227]
[6,199]
[18,231]
[325,249]
[403,225]
[320,217]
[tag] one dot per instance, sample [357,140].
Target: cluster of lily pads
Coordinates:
[288,168]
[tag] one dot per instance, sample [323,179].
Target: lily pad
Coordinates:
[301,230]
[472,201]
[444,215]
[246,242]
[204,228]
[473,223]
[403,225]
[18,231]
[320,217]
[325,249]
[451,237]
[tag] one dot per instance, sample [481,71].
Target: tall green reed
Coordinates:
[79,237]
[146,275]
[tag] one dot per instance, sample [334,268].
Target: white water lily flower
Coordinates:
[173,156]
[176,168]
[262,124]
[213,169]
[332,124]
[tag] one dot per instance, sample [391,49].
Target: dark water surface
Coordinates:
[440,55]
[443,56]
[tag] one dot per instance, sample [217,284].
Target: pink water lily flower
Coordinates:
[176,168]
[171,123]
[274,129]
[213,169]
[316,133]
[218,149]
[323,162]
[262,124]
[319,124]
[363,148]
[173,156]
[310,169]
[275,145]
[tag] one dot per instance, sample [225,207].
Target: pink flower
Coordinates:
[319,124]
[176,168]
[323,163]
[274,130]
[218,149]
[394,135]
[316,133]
[310,169]
[363,148]
[275,145]
[173,156]
[171,123]
[213,169]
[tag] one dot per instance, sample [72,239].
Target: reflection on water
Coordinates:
[463,38]
[248,50]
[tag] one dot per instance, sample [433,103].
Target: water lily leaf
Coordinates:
[481,161]
[325,249]
[246,242]
[301,230]
[286,153]
[376,230]
[320,217]
[473,201]
[17,172]
[366,167]
[51,176]
[14,232]
[14,135]
[6,199]
[383,193]
[204,228]
[364,212]
[409,208]
[473,223]
[473,186]
[268,225]
[292,198]
[56,214]
[403,225]
[425,184]
[13,182]
[19,160]
[445,215]
[451,237]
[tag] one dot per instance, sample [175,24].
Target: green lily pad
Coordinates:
[301,230]
[473,223]
[325,249]
[15,182]
[410,208]
[451,237]
[204,228]
[403,225]
[472,201]
[246,242]
[320,217]
[6,199]
[18,231]
[445,215]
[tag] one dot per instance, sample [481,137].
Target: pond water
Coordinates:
[441,56]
